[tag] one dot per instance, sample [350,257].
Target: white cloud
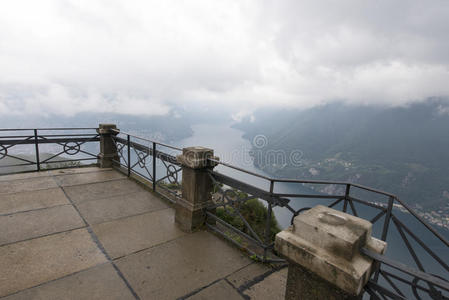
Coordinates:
[143,57]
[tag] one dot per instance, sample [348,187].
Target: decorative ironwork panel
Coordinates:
[45,148]
[158,167]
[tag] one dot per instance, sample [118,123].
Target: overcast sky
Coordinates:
[146,57]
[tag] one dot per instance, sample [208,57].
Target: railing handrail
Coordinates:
[146,139]
[238,168]
[57,128]
[273,180]
[289,180]
[406,269]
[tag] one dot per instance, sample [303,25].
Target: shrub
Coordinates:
[254,212]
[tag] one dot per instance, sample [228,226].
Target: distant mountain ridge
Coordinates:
[166,128]
[403,150]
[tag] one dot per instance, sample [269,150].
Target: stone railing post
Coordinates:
[196,187]
[323,250]
[108,150]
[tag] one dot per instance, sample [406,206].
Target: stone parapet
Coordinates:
[196,187]
[108,150]
[326,243]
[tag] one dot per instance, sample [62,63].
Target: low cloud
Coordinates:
[146,57]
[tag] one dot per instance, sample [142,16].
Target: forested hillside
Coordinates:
[404,150]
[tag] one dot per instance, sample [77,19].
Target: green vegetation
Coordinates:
[171,186]
[254,212]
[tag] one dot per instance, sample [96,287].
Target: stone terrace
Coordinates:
[91,233]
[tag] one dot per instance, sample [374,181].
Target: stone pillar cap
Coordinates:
[333,230]
[106,128]
[327,242]
[107,125]
[197,157]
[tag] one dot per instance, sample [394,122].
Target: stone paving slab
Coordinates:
[10,177]
[97,283]
[28,184]
[89,177]
[32,224]
[30,263]
[94,191]
[220,290]
[272,287]
[24,201]
[107,209]
[26,175]
[77,170]
[128,235]
[248,274]
[176,268]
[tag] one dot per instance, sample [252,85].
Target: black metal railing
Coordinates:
[150,160]
[397,277]
[46,148]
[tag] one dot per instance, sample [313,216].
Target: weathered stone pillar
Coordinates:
[108,150]
[323,250]
[196,187]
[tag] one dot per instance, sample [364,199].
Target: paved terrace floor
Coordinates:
[91,233]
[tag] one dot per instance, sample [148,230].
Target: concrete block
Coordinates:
[326,242]
[196,157]
[196,188]
[189,217]
[108,150]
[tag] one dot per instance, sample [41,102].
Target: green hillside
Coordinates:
[402,150]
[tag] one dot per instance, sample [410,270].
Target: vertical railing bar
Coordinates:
[345,205]
[421,243]
[268,224]
[385,231]
[409,246]
[129,155]
[388,279]
[353,208]
[377,217]
[36,144]
[154,166]
[372,294]
[387,219]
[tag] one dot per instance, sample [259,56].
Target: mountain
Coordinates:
[403,150]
